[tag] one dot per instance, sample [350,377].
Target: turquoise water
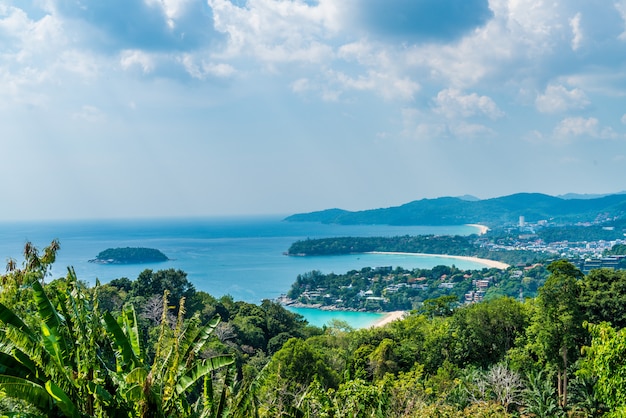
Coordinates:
[242,257]
[320,317]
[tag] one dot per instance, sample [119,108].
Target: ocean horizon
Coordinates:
[238,256]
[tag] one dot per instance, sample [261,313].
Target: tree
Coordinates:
[382,359]
[441,306]
[604,360]
[603,297]
[556,332]
[486,331]
[150,283]
[289,373]
[15,284]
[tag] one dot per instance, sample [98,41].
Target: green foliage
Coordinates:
[432,244]
[441,306]
[151,283]
[357,398]
[428,244]
[61,352]
[604,361]
[556,331]
[486,331]
[539,400]
[58,360]
[617,249]
[55,366]
[15,284]
[161,389]
[402,289]
[603,297]
[300,364]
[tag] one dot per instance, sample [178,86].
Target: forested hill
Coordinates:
[129,255]
[493,212]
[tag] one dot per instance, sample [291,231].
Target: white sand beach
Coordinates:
[489,263]
[389,317]
[482,229]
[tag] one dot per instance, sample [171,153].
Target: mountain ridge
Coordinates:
[492,212]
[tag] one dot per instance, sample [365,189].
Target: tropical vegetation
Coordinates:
[156,347]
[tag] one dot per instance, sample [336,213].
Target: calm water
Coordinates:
[319,317]
[242,257]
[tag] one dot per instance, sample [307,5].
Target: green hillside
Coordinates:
[493,212]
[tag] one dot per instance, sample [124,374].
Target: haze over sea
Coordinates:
[241,257]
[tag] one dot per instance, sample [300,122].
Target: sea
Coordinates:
[239,256]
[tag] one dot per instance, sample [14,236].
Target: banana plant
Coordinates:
[161,389]
[54,363]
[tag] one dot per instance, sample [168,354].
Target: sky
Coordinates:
[185,108]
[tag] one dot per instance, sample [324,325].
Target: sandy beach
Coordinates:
[486,262]
[482,228]
[389,317]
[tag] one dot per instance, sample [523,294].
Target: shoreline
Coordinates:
[482,229]
[489,263]
[388,318]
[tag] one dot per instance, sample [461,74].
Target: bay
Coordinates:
[319,317]
[241,257]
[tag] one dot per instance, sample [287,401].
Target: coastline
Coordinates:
[388,318]
[482,229]
[489,263]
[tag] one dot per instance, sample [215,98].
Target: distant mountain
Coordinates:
[469,198]
[586,196]
[493,212]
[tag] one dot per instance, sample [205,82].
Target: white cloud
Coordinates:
[453,103]
[466,130]
[172,9]
[577,126]
[276,31]
[583,127]
[620,6]
[427,131]
[132,58]
[577,34]
[387,85]
[203,69]
[301,85]
[605,82]
[422,125]
[90,114]
[557,99]
[37,55]
[623,119]
[325,91]
[519,35]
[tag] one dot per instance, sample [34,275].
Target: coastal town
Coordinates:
[586,254]
[389,288]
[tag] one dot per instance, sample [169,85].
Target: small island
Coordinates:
[129,255]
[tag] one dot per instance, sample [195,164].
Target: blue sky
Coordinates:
[149,108]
